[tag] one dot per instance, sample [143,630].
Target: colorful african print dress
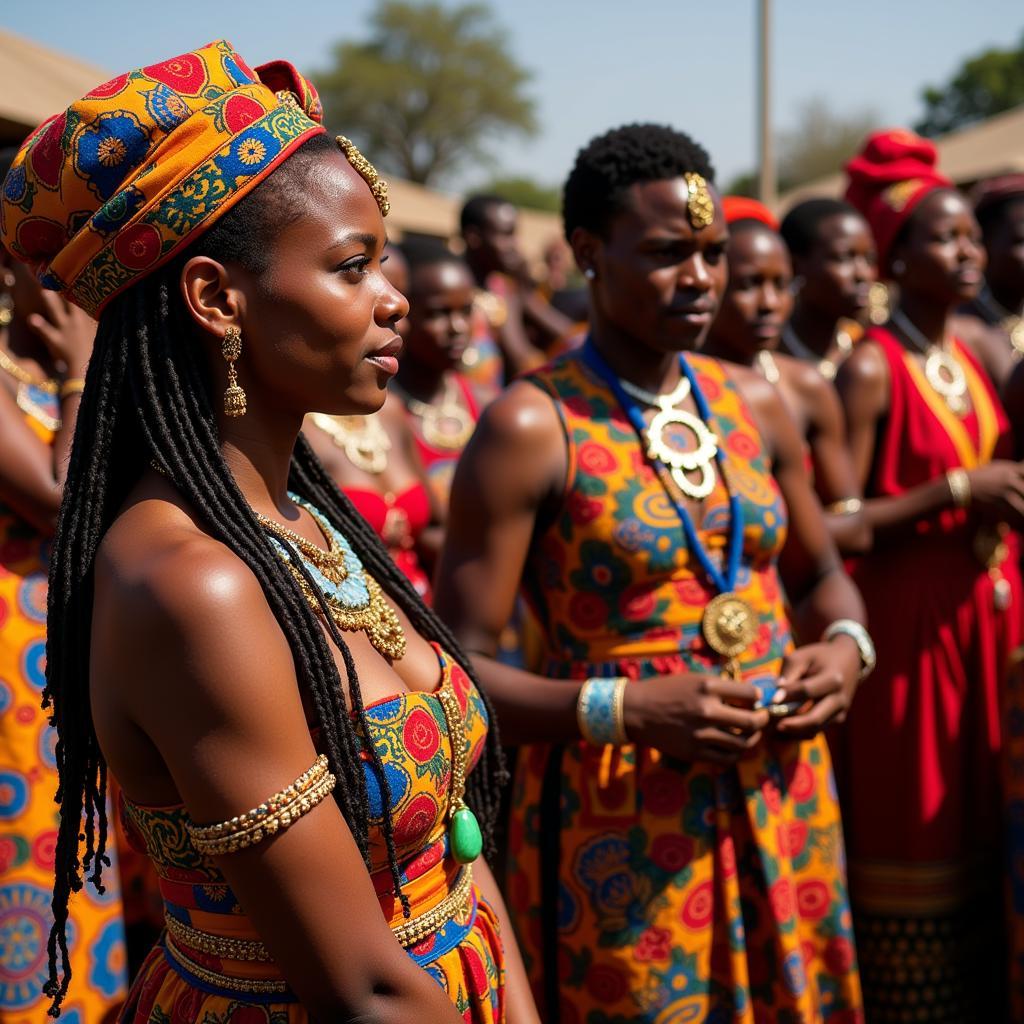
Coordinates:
[210,966]
[28,814]
[918,761]
[646,889]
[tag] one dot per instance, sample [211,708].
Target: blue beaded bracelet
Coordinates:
[599,711]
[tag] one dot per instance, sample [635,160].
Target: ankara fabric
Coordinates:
[648,890]
[28,814]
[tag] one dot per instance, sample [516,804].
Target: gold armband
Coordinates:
[72,386]
[272,816]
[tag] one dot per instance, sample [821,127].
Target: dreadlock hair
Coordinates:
[608,165]
[148,401]
[799,228]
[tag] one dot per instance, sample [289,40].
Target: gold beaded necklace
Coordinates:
[354,598]
[27,383]
[363,439]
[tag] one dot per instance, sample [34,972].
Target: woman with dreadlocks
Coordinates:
[300,743]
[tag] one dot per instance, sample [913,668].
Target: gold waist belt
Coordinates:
[408,933]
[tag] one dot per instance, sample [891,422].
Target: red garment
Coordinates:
[440,463]
[891,174]
[744,208]
[918,762]
[398,520]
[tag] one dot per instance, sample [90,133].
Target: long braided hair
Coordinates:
[147,401]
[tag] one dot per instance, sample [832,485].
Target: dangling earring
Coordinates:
[231,349]
[590,273]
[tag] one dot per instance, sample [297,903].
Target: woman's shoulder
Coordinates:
[160,568]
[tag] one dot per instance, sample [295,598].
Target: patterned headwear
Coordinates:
[744,208]
[893,172]
[107,191]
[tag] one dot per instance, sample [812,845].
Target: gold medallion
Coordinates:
[729,625]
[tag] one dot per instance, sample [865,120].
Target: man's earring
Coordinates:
[231,349]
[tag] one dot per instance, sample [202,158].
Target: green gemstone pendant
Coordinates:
[465,838]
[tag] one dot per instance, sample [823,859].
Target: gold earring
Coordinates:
[7,301]
[231,349]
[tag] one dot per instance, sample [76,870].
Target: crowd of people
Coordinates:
[415,634]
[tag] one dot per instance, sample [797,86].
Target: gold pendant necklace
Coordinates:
[663,444]
[447,426]
[363,439]
[943,372]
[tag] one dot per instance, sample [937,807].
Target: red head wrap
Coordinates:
[893,172]
[744,208]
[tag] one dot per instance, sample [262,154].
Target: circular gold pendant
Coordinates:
[729,625]
[448,427]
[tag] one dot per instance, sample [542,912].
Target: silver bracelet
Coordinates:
[860,636]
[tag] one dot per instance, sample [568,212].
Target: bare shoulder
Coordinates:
[172,598]
[762,396]
[521,414]
[865,365]
[803,377]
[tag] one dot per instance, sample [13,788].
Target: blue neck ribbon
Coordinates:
[727,583]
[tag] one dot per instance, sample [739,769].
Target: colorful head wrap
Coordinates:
[106,192]
[893,172]
[744,208]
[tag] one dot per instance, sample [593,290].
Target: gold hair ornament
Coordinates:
[699,204]
[367,172]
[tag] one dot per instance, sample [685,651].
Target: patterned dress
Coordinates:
[28,814]
[649,890]
[925,864]
[181,983]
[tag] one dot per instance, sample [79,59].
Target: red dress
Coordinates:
[398,520]
[918,762]
[440,463]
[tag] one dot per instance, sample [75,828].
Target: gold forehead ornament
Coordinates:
[699,204]
[367,172]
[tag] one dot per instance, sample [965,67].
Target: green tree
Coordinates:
[429,90]
[984,85]
[820,142]
[523,191]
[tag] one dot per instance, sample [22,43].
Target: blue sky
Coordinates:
[596,63]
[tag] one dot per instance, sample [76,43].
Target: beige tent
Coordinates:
[36,82]
[994,146]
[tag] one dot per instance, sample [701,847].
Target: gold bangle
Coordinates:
[72,386]
[846,507]
[273,815]
[959,487]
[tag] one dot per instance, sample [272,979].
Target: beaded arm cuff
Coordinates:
[599,711]
[272,816]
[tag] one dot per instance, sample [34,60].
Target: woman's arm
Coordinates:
[820,592]
[834,478]
[32,472]
[221,706]
[510,482]
[997,488]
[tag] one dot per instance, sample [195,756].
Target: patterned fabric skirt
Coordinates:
[28,818]
[465,959]
[651,891]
